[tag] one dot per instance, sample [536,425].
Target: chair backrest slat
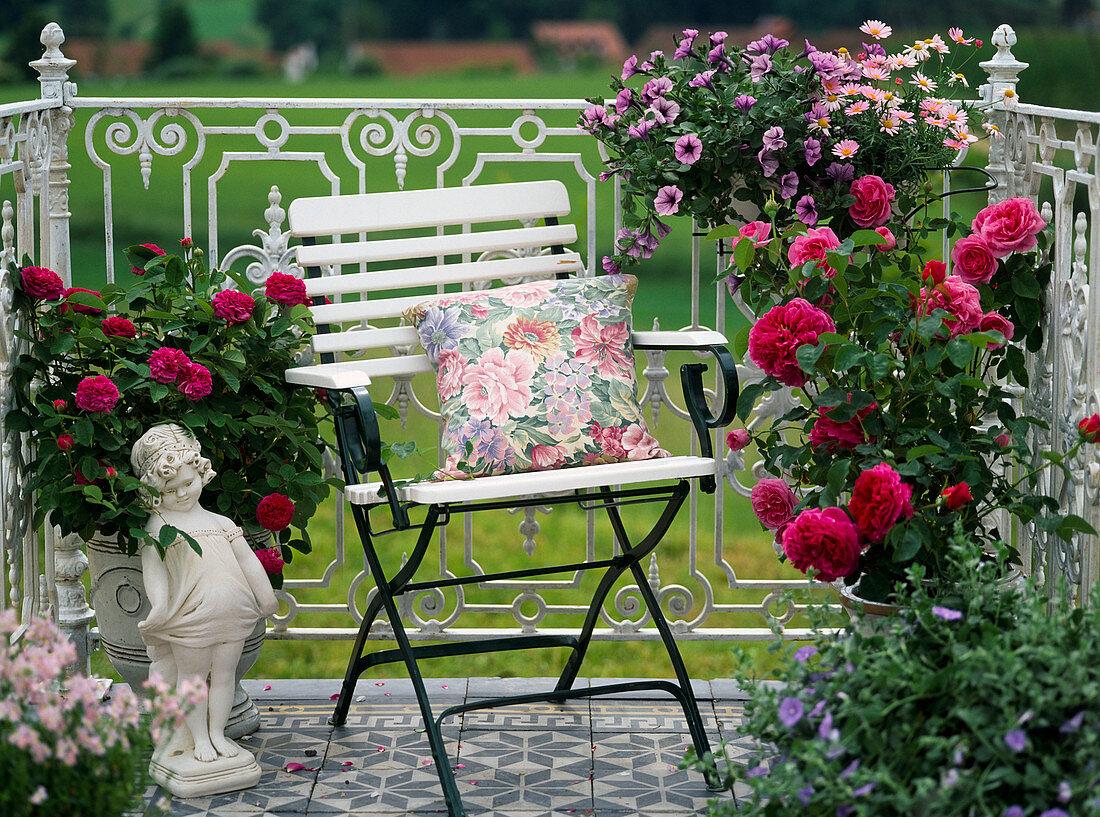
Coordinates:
[410,209]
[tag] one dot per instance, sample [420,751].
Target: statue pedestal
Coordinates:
[177,770]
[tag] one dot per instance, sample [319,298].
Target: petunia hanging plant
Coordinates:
[717,125]
[177,344]
[904,425]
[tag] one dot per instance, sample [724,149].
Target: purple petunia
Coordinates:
[667,202]
[1054,812]
[840,173]
[1065,792]
[630,67]
[1014,811]
[773,138]
[946,613]
[825,728]
[767,161]
[791,711]
[717,55]
[805,795]
[664,110]
[641,129]
[610,267]
[744,102]
[1016,740]
[788,185]
[849,770]
[806,208]
[768,44]
[803,653]
[864,790]
[702,80]
[623,100]
[811,150]
[656,87]
[757,771]
[759,65]
[1073,724]
[688,149]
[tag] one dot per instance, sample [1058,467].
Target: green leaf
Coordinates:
[723,231]
[403,450]
[1072,523]
[167,535]
[386,412]
[808,355]
[880,367]
[865,238]
[849,356]
[909,546]
[960,352]
[744,253]
[922,451]
[746,400]
[741,342]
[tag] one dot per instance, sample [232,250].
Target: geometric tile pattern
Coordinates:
[603,757]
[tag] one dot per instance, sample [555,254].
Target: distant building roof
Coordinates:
[600,39]
[425,56]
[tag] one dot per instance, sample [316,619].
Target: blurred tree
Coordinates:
[1074,10]
[84,18]
[24,45]
[173,37]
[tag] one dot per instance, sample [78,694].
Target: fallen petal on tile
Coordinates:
[461,766]
[381,748]
[379,683]
[296,767]
[266,688]
[334,696]
[348,763]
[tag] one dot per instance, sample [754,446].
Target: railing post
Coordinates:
[1003,70]
[53,74]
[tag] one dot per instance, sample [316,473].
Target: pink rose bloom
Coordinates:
[233,306]
[530,294]
[737,439]
[972,259]
[605,347]
[639,444]
[825,540]
[195,381]
[545,457]
[873,200]
[759,232]
[1009,226]
[774,339]
[1003,440]
[116,325]
[271,559]
[452,365]
[610,440]
[879,499]
[891,242]
[813,246]
[498,386]
[42,284]
[97,394]
[773,502]
[167,364]
[830,435]
[960,299]
[996,322]
[286,289]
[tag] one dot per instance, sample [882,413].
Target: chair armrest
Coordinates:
[689,339]
[691,378]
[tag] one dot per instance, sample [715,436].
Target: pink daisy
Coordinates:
[876,29]
[845,148]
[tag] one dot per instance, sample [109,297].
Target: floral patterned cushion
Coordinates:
[535,376]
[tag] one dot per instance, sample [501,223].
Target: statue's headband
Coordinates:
[160,439]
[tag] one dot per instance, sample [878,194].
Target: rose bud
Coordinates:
[737,439]
[1090,428]
[59,405]
[955,496]
[65,442]
[934,270]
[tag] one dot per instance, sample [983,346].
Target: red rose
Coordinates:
[42,284]
[59,405]
[195,381]
[873,200]
[187,243]
[233,306]
[271,559]
[973,259]
[155,250]
[879,499]
[825,540]
[97,394]
[275,512]
[167,364]
[1009,226]
[776,337]
[65,442]
[955,496]
[81,308]
[119,326]
[936,270]
[828,434]
[1090,428]
[287,290]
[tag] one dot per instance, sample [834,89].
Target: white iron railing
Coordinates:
[313,146]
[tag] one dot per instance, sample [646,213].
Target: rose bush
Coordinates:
[906,424]
[177,344]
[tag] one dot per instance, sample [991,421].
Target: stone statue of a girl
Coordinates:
[203,606]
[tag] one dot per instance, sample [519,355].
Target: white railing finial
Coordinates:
[53,67]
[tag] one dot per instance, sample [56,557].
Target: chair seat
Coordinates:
[538,482]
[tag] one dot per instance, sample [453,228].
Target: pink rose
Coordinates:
[829,435]
[42,284]
[610,440]
[737,439]
[545,457]
[97,394]
[1003,440]
[286,289]
[1009,226]
[759,232]
[958,298]
[167,364]
[233,306]
[452,367]
[195,382]
[879,499]
[955,496]
[773,502]
[271,559]
[119,326]
[996,322]
[639,444]
[973,259]
[825,540]
[774,339]
[813,246]
[891,242]
[873,200]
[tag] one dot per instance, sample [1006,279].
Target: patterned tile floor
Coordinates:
[608,756]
